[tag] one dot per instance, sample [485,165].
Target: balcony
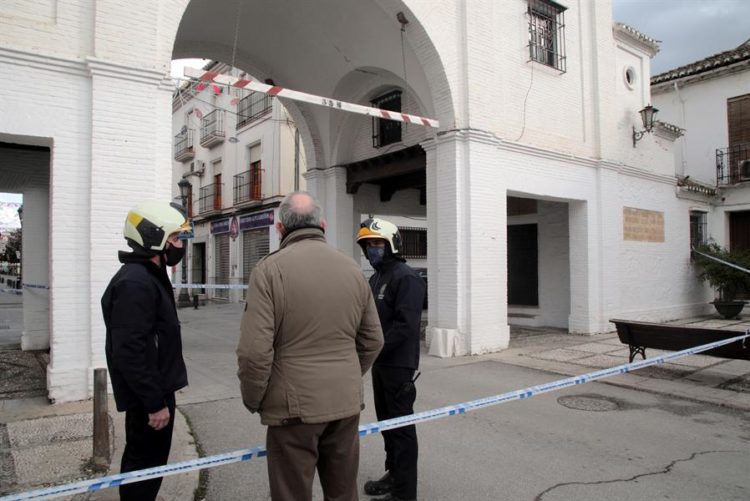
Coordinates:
[210,199]
[183,146]
[212,129]
[247,185]
[733,165]
[252,108]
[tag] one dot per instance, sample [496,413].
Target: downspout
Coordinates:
[683,143]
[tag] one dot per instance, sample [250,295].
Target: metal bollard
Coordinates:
[101,419]
[195,301]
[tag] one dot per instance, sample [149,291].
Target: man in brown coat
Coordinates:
[310,331]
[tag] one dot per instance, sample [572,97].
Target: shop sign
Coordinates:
[218,227]
[257,220]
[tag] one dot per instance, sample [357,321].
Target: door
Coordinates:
[221,264]
[198,265]
[523,265]
[254,248]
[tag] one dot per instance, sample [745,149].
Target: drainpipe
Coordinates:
[683,143]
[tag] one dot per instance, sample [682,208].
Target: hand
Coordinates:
[159,419]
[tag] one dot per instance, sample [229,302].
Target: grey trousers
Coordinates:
[295,450]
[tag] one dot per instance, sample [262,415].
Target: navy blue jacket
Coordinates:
[399,296]
[144,344]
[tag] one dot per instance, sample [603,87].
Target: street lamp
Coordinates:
[647,117]
[183,299]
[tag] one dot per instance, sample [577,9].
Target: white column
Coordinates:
[466,200]
[328,186]
[35,267]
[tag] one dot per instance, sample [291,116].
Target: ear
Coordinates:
[280,228]
[323,224]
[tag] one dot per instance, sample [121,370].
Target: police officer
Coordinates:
[399,295]
[144,344]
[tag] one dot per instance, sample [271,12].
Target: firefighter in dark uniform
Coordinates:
[143,343]
[399,295]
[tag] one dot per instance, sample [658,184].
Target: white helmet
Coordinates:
[149,224]
[379,228]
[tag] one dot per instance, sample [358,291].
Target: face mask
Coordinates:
[375,255]
[174,254]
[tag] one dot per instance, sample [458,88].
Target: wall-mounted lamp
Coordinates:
[647,116]
[20,213]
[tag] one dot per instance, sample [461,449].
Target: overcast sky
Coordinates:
[689,30]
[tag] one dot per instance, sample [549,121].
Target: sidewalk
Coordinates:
[42,444]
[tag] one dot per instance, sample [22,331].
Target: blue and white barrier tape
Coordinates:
[368,429]
[209,286]
[12,291]
[732,265]
[35,286]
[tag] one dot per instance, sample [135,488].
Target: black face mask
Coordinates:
[173,255]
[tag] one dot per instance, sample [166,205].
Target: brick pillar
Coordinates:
[467,248]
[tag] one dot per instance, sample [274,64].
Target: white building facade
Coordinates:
[710,99]
[537,101]
[238,153]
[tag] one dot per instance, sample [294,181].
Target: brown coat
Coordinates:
[309,333]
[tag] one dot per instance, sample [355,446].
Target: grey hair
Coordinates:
[298,215]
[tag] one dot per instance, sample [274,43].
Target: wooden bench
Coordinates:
[641,335]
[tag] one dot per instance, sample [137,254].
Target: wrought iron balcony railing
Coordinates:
[183,146]
[247,186]
[252,107]
[733,164]
[210,198]
[212,129]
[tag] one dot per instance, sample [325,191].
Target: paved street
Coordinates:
[591,442]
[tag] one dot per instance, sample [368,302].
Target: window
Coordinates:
[386,132]
[697,228]
[413,242]
[547,33]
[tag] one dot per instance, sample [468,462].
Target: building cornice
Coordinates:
[104,68]
[489,138]
[668,131]
[629,35]
[664,86]
[70,66]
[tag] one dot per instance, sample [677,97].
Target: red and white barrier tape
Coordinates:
[275,90]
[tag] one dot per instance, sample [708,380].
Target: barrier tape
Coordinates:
[368,429]
[722,261]
[275,90]
[35,286]
[209,286]
[12,291]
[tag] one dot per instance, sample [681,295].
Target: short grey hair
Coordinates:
[300,209]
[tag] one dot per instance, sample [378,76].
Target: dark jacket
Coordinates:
[144,345]
[399,296]
[309,333]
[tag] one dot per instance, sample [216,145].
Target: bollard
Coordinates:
[195,301]
[101,419]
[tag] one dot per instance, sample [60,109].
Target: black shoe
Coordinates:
[391,497]
[383,485]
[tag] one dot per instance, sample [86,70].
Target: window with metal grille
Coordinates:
[413,242]
[547,33]
[252,107]
[698,225]
[386,132]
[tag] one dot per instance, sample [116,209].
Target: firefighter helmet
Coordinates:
[149,224]
[379,228]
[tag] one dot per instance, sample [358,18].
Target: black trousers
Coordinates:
[145,448]
[394,397]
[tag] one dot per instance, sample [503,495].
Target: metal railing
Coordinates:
[252,107]
[212,128]
[183,145]
[248,186]
[733,164]
[210,198]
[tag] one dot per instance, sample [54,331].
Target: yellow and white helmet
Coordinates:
[379,228]
[149,224]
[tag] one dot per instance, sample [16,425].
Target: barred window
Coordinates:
[547,33]
[413,242]
[698,235]
[386,132]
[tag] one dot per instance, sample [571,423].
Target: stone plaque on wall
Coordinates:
[643,225]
